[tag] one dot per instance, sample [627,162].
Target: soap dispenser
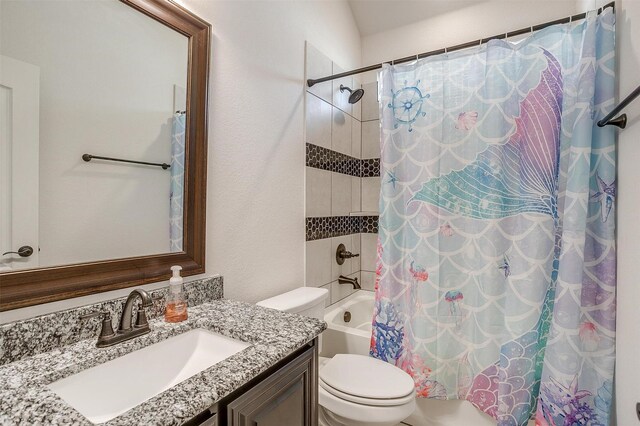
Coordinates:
[176,304]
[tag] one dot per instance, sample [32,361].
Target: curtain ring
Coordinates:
[531,29]
[445,50]
[417,57]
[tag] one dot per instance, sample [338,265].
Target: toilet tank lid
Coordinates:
[297,300]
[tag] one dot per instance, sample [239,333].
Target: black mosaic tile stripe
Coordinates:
[333,161]
[326,159]
[370,167]
[331,226]
[335,226]
[369,224]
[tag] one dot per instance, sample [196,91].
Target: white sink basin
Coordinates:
[107,390]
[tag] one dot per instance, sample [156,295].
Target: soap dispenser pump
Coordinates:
[176,304]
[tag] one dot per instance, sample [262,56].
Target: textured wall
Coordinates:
[255,211]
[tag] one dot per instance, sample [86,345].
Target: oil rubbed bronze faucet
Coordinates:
[125,331]
[346,280]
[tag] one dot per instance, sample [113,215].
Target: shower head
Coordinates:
[355,95]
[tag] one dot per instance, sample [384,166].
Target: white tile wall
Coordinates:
[332,122]
[355,194]
[370,196]
[318,262]
[327,301]
[341,131]
[369,101]
[318,192]
[347,267]
[318,65]
[340,291]
[371,139]
[318,121]
[368,280]
[356,138]
[356,109]
[340,194]
[368,248]
[341,99]
[355,249]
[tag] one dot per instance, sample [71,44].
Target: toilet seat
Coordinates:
[364,380]
[375,402]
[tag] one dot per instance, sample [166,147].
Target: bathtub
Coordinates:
[354,336]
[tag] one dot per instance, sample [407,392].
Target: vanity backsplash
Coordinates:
[44,333]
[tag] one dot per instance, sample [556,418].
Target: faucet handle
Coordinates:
[141,318]
[342,253]
[107,327]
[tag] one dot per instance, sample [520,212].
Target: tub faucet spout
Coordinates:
[353,281]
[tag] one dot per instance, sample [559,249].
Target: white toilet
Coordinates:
[354,390]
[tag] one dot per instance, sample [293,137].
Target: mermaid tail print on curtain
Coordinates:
[496,264]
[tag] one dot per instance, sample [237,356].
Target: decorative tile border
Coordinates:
[369,225]
[370,167]
[335,226]
[333,161]
[331,226]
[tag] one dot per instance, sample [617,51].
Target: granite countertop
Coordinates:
[25,399]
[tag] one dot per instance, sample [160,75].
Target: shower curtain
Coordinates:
[177,183]
[496,254]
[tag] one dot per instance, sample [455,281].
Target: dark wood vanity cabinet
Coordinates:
[286,395]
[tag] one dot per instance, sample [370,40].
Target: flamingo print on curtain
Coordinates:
[496,254]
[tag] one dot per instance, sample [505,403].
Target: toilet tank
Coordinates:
[307,301]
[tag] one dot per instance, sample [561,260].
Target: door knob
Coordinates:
[24,251]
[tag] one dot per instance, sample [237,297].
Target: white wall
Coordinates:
[255,209]
[460,26]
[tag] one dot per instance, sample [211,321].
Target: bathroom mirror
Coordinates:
[103,146]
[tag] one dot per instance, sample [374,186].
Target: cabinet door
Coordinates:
[289,397]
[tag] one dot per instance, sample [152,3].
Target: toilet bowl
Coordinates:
[358,390]
[354,390]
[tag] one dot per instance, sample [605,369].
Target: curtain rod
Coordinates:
[311,82]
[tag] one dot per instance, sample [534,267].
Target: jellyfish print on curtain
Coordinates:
[496,262]
[177,183]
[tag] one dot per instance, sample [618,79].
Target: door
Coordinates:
[19,161]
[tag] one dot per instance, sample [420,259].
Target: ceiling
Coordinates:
[374,16]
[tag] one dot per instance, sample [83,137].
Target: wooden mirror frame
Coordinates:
[41,285]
